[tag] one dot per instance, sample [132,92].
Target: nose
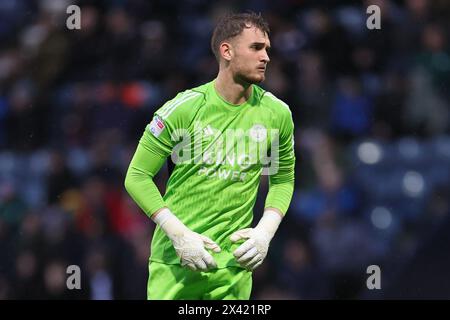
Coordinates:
[265,57]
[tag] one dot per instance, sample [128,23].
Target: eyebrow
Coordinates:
[261,44]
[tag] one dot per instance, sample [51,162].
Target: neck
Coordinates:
[231,90]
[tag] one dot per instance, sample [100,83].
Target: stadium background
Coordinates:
[371,109]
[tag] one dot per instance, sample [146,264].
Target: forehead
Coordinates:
[253,34]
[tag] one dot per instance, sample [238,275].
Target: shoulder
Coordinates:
[182,105]
[269,100]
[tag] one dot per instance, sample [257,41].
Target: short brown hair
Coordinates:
[232,25]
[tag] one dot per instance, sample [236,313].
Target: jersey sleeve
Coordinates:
[172,118]
[145,164]
[281,183]
[154,147]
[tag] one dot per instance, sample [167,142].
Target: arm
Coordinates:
[145,164]
[147,161]
[252,252]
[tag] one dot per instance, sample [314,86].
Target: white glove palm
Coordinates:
[189,245]
[252,252]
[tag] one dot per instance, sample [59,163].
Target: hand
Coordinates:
[190,248]
[252,252]
[189,245]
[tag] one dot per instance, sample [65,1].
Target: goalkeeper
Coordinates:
[221,136]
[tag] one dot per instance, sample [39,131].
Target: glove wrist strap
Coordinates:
[169,223]
[270,222]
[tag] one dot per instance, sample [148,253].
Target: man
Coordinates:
[219,136]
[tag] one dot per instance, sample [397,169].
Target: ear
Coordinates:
[226,50]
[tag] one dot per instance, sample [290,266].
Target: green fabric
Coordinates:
[144,165]
[173,282]
[214,199]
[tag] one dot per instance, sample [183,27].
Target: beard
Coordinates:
[250,77]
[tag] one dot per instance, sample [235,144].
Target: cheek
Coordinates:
[245,62]
[244,68]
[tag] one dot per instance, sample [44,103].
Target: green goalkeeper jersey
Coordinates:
[219,151]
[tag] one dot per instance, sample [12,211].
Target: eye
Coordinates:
[257,46]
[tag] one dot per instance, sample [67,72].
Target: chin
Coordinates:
[251,78]
[259,79]
[255,79]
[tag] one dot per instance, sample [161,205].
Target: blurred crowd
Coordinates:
[371,109]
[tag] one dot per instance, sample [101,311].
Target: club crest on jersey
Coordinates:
[258,133]
[156,126]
